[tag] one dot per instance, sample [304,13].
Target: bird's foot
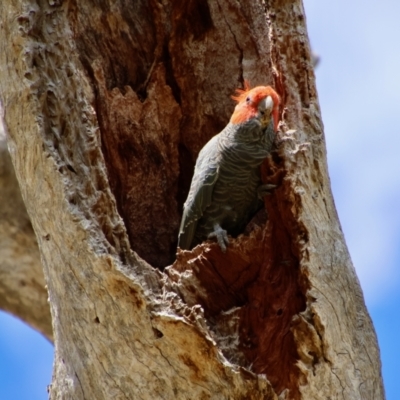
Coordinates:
[265,190]
[221,236]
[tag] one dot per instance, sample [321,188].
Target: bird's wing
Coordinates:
[200,194]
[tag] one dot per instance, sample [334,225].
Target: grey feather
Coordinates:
[224,188]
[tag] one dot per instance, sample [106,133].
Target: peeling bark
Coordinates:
[107,106]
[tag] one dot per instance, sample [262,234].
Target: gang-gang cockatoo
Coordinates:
[226,188]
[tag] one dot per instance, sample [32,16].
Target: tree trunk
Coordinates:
[107,105]
[22,287]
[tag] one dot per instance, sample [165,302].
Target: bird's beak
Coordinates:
[266,106]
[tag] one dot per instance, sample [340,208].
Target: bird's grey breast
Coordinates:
[247,146]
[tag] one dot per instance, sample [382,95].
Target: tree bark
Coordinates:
[22,285]
[107,105]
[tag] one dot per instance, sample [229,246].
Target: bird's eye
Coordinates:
[248,99]
[262,112]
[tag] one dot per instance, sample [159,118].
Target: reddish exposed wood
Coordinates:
[259,275]
[163,84]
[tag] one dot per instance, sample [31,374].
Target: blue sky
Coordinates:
[359,90]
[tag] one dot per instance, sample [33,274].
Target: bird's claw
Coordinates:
[265,190]
[221,236]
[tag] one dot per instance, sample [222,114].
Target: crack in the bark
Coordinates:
[178,374]
[340,382]
[105,371]
[330,303]
[80,385]
[236,42]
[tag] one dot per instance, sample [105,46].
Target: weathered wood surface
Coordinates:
[107,105]
[22,286]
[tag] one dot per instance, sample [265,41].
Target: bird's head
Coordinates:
[261,102]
